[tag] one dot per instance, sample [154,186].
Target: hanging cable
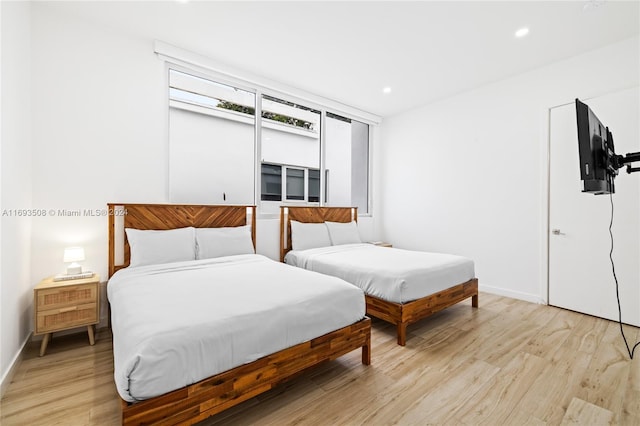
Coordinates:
[613,268]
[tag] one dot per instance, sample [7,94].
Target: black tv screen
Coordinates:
[595,144]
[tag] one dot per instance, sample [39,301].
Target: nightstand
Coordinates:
[62,305]
[381,244]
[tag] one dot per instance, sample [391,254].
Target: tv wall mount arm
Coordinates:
[620,161]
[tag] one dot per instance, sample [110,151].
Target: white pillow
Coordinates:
[217,242]
[309,235]
[343,233]
[150,247]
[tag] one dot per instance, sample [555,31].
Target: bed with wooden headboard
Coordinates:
[193,403]
[399,314]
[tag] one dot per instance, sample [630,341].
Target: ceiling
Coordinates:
[348,51]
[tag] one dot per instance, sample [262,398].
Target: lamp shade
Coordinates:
[73,254]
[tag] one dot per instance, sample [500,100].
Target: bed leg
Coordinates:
[474,301]
[402,333]
[366,353]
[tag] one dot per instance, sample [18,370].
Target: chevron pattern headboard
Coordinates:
[170,216]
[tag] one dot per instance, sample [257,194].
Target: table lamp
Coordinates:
[73,255]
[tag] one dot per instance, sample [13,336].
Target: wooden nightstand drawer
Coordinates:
[67,317]
[61,305]
[54,298]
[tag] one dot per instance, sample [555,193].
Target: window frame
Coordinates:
[195,68]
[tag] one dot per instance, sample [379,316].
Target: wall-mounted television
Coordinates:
[599,163]
[597,155]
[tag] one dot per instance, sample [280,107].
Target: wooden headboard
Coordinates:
[169,216]
[310,215]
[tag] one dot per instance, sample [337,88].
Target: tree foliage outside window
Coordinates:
[292,121]
[236,107]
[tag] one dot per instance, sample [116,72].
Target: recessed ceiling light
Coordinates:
[592,5]
[386,90]
[522,32]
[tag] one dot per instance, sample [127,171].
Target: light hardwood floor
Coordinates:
[508,362]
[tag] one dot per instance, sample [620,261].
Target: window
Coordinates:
[346,163]
[295,184]
[271,182]
[314,185]
[298,184]
[211,141]
[291,140]
[306,153]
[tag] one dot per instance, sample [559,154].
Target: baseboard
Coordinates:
[527,297]
[15,363]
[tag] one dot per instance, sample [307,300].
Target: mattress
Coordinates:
[391,274]
[178,323]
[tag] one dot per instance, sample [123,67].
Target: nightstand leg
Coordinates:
[92,340]
[45,342]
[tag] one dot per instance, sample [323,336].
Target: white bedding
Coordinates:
[390,274]
[178,323]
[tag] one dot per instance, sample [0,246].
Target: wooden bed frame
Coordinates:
[399,314]
[212,395]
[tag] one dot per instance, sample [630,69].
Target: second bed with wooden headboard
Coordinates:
[200,323]
[401,286]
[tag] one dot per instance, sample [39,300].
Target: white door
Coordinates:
[580,272]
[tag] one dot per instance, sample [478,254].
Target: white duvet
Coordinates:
[390,274]
[176,324]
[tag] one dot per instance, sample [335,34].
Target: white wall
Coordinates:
[283,146]
[99,132]
[15,189]
[467,175]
